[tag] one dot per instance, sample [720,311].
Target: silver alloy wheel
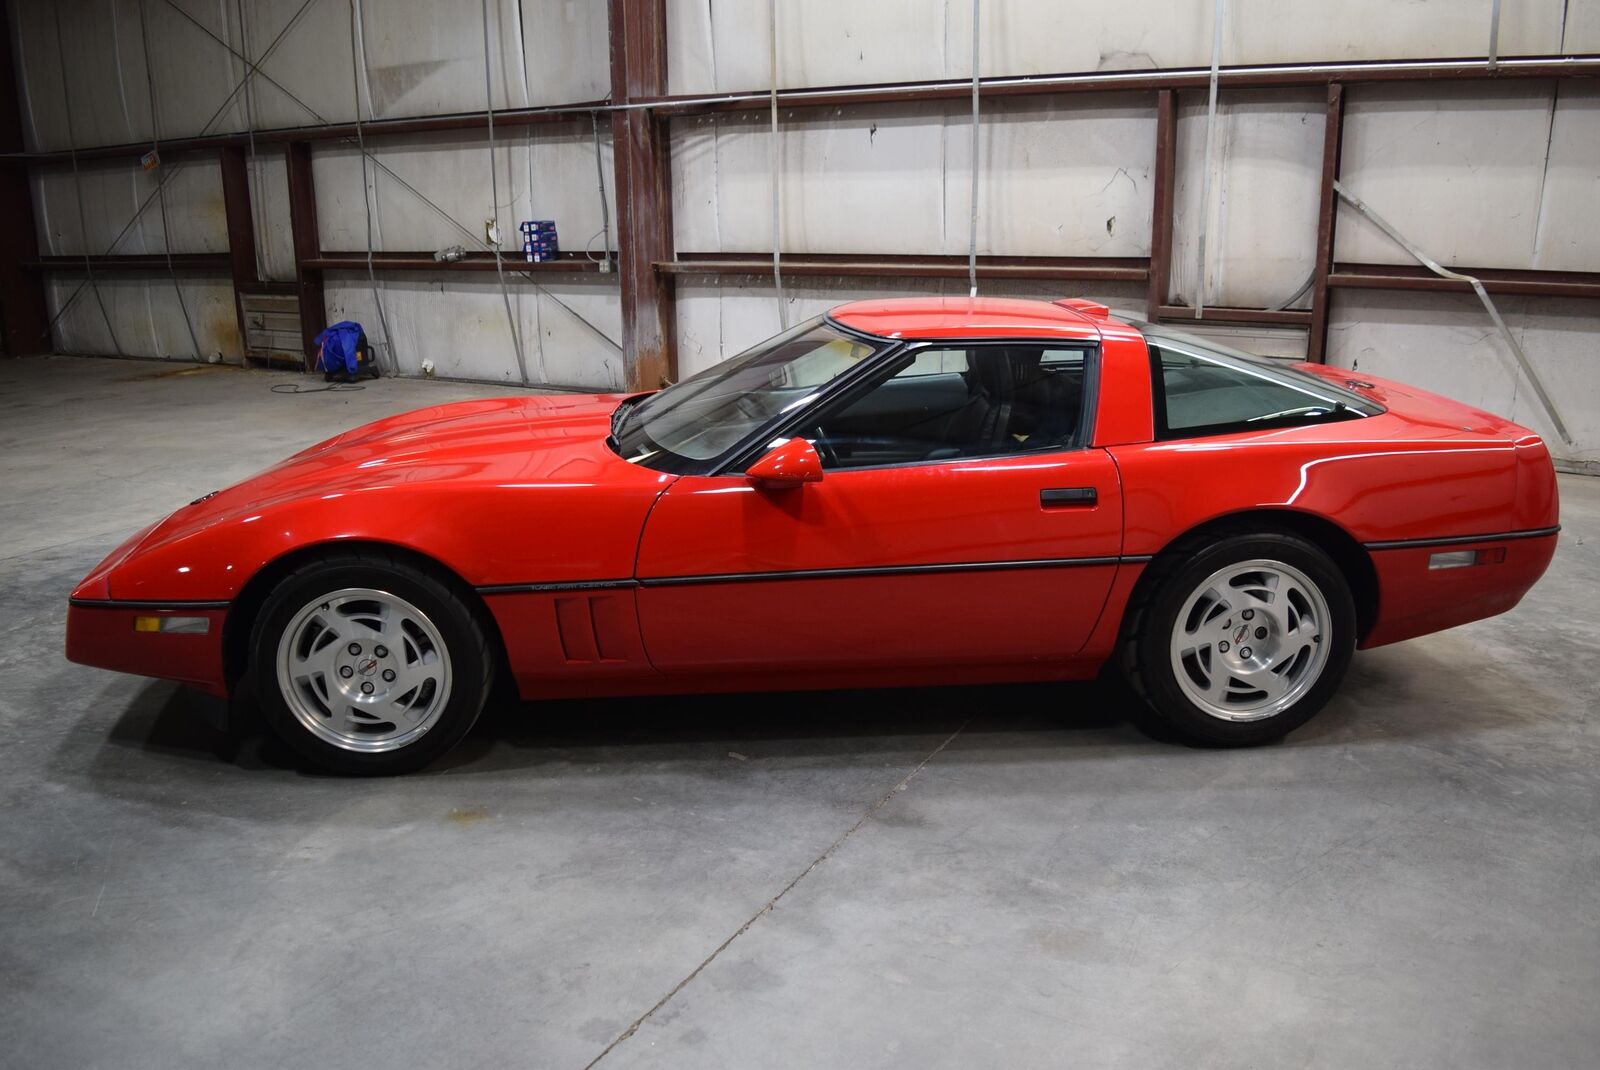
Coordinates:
[1251,640]
[364,670]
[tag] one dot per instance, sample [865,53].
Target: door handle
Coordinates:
[1059,496]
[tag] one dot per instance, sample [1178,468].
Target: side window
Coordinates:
[950,403]
[1196,394]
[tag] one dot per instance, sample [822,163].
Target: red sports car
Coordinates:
[899,492]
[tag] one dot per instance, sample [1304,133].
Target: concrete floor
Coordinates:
[960,877]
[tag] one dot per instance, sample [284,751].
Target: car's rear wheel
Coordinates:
[368,665]
[1240,638]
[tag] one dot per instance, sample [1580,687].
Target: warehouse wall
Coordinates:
[1490,175]
[404,58]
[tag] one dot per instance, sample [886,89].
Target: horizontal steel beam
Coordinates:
[1260,76]
[1495,280]
[1103,269]
[371,128]
[138,262]
[327,260]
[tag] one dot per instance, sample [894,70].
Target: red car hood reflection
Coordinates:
[510,466]
[522,440]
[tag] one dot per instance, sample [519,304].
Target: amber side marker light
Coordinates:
[1467,558]
[173,625]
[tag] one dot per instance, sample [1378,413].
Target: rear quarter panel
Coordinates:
[1379,478]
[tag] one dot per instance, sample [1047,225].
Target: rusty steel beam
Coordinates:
[1327,216]
[241,230]
[1161,218]
[1584,284]
[24,317]
[1102,269]
[641,156]
[1256,77]
[187,146]
[330,260]
[1261,76]
[307,245]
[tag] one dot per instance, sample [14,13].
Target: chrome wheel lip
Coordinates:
[402,660]
[1272,672]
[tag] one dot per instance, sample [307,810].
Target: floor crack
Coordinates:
[787,888]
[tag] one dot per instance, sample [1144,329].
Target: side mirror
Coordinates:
[788,464]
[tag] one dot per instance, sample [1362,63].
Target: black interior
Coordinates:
[1010,399]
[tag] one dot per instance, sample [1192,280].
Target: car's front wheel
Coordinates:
[367,665]
[1240,639]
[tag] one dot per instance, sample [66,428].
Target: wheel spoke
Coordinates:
[339,718]
[1217,688]
[1267,681]
[359,630]
[410,678]
[334,661]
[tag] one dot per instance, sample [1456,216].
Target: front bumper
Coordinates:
[107,635]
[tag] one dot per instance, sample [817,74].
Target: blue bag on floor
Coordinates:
[339,349]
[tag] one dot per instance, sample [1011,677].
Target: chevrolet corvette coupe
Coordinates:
[940,491]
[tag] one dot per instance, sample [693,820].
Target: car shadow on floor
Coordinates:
[1387,697]
[165,719]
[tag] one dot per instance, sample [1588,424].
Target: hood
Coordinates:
[468,483]
[526,440]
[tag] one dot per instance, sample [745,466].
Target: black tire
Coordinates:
[449,607]
[1147,657]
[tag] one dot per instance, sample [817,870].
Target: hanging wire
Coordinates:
[358,68]
[256,207]
[77,187]
[972,233]
[1218,18]
[1494,34]
[494,200]
[1477,287]
[155,147]
[1292,298]
[543,369]
[777,183]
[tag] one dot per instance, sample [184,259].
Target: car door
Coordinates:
[959,521]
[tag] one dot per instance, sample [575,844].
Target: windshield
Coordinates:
[708,414]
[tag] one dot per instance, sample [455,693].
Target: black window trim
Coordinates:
[718,465]
[1158,401]
[894,360]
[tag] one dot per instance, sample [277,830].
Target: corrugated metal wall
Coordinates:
[1501,175]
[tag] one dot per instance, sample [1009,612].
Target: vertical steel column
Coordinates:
[241,230]
[24,318]
[641,151]
[307,247]
[1327,215]
[1161,218]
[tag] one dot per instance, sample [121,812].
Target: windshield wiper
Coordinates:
[614,439]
